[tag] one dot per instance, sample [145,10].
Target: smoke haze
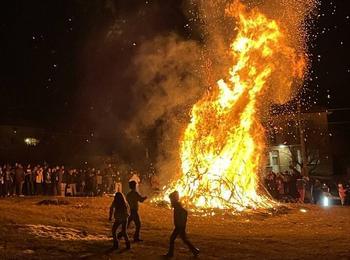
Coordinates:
[168,72]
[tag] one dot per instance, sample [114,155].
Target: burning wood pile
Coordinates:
[222,148]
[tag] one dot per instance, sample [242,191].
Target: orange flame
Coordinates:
[222,147]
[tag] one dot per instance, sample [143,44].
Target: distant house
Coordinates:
[290,134]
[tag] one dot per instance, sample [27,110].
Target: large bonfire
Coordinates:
[222,147]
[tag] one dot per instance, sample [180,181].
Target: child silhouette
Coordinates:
[180,220]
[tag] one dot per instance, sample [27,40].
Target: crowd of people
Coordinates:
[19,180]
[293,187]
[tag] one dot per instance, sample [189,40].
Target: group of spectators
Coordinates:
[293,187]
[20,180]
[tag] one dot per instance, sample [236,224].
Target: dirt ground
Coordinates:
[81,230]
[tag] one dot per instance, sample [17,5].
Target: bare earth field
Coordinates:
[81,230]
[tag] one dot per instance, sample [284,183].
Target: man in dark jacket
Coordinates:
[71,182]
[28,180]
[180,220]
[133,198]
[61,181]
[19,179]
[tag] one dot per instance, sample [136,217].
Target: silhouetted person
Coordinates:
[133,198]
[19,179]
[121,213]
[317,191]
[180,220]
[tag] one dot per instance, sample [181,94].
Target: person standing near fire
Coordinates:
[133,198]
[180,221]
[120,209]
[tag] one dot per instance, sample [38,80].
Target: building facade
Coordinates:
[295,138]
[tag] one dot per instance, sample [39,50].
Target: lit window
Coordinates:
[31,141]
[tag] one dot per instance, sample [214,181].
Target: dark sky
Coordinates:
[53,71]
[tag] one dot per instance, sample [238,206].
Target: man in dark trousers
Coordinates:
[19,179]
[180,220]
[133,198]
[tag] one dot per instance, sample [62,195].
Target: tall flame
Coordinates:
[223,145]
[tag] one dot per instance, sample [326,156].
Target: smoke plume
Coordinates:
[173,73]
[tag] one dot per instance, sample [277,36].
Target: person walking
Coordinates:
[180,220]
[133,198]
[121,211]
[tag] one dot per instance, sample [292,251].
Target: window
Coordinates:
[274,158]
[31,141]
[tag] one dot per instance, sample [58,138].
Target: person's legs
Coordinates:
[302,195]
[130,219]
[83,188]
[63,189]
[114,235]
[299,195]
[13,188]
[30,188]
[21,187]
[48,189]
[74,189]
[6,188]
[59,189]
[27,187]
[184,238]
[137,226]
[16,188]
[125,234]
[172,242]
[54,189]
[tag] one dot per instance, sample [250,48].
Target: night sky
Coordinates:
[59,70]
